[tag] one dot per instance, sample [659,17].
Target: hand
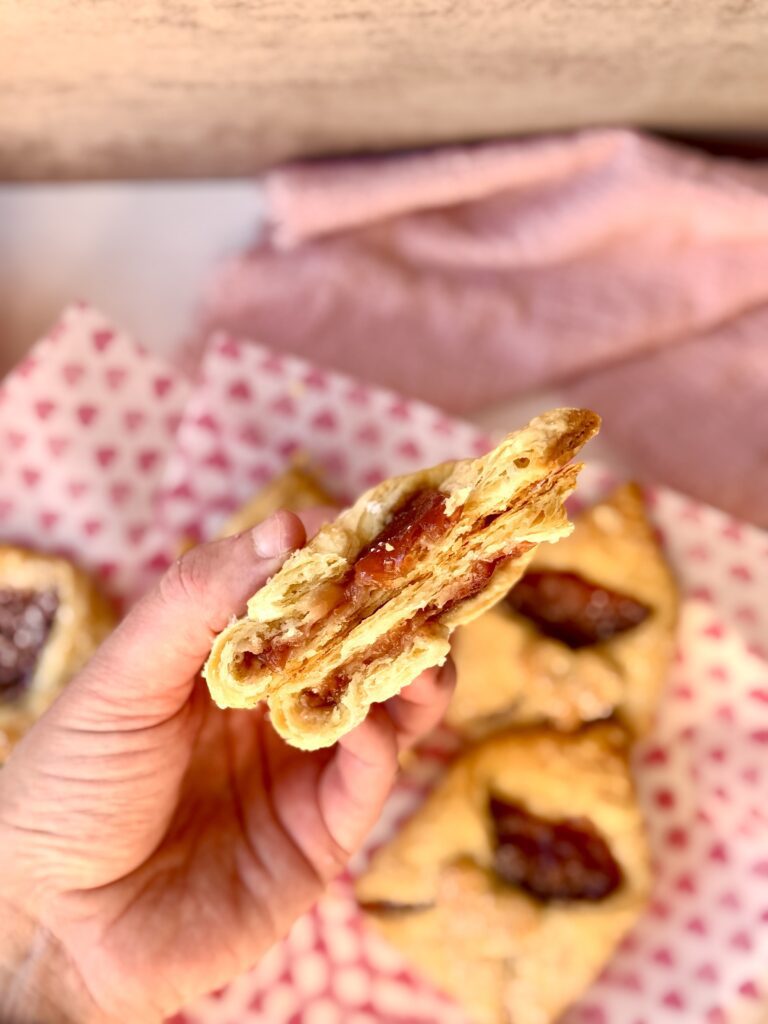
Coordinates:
[152,847]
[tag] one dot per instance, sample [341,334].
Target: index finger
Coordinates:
[418,708]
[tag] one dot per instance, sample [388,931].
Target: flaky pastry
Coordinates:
[372,599]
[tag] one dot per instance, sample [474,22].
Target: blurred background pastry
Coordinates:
[588,631]
[52,618]
[511,886]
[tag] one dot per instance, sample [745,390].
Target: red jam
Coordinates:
[329,694]
[420,522]
[389,907]
[552,860]
[574,611]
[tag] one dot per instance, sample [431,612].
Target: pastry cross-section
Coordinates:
[373,598]
[513,883]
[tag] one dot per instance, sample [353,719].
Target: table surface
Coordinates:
[141,253]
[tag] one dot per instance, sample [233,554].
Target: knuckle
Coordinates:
[182,580]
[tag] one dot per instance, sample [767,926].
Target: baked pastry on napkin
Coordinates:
[372,599]
[513,883]
[295,489]
[589,630]
[52,618]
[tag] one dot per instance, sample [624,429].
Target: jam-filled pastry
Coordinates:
[295,489]
[588,631]
[513,883]
[372,599]
[52,618]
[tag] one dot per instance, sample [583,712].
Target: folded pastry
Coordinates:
[52,618]
[372,599]
[511,886]
[588,631]
[295,489]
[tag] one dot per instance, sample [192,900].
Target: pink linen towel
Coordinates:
[626,273]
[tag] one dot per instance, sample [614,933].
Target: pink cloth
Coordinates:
[629,274]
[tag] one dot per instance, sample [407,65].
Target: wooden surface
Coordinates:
[154,88]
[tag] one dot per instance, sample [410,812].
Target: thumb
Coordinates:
[103,767]
[146,669]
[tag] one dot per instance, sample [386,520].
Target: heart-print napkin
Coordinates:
[86,425]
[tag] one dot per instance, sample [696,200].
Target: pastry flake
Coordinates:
[372,599]
[513,883]
[588,631]
[52,618]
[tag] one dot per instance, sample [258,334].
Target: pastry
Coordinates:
[510,887]
[372,599]
[294,489]
[52,618]
[587,632]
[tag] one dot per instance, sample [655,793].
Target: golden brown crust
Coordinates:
[511,674]
[83,618]
[514,494]
[497,950]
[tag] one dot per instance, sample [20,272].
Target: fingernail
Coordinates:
[272,538]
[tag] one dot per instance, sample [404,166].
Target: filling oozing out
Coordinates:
[563,859]
[568,608]
[390,908]
[420,522]
[26,617]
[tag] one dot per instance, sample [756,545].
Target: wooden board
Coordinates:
[156,88]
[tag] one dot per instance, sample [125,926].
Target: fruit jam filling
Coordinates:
[26,617]
[551,860]
[401,639]
[568,608]
[420,523]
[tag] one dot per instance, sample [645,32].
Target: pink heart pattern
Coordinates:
[75,426]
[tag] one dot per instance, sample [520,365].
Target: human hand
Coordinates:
[152,846]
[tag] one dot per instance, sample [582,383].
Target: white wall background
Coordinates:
[138,251]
